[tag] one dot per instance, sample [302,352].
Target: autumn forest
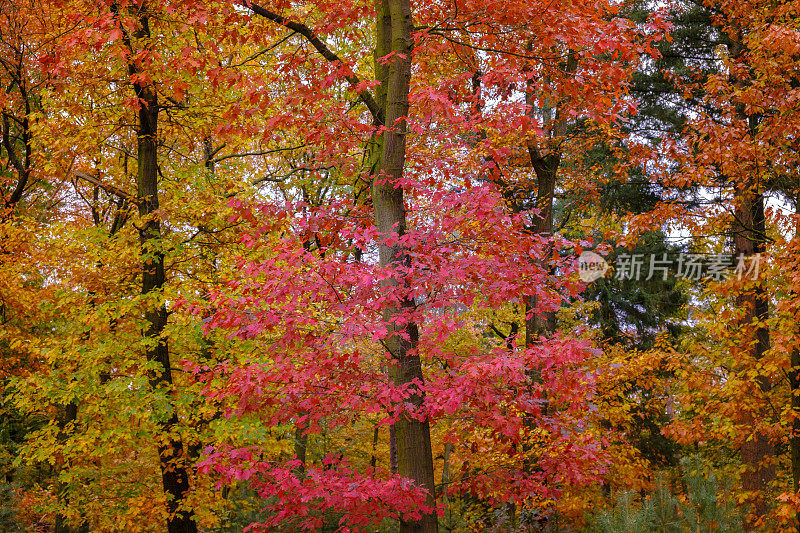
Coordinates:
[399,266]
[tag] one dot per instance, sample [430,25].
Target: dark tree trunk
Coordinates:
[412,437]
[170,448]
[794,370]
[174,475]
[749,237]
[545,162]
[538,325]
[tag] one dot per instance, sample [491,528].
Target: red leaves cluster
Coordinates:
[321,309]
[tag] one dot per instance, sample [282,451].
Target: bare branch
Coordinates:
[110,189]
[261,152]
[327,53]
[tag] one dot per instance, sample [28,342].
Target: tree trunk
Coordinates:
[412,437]
[749,237]
[68,414]
[794,439]
[174,475]
[545,166]
[539,325]
[546,169]
[794,370]
[749,234]
[170,448]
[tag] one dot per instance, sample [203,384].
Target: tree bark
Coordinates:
[175,479]
[749,235]
[539,325]
[749,238]
[545,167]
[170,448]
[794,377]
[412,436]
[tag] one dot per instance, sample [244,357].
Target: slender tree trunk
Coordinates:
[749,234]
[175,479]
[794,370]
[749,237]
[538,325]
[448,451]
[170,447]
[545,160]
[794,383]
[545,166]
[68,415]
[412,437]
[373,460]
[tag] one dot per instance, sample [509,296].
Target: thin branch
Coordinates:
[7,143]
[327,53]
[265,50]
[110,189]
[262,152]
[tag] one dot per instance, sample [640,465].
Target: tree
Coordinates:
[728,153]
[423,279]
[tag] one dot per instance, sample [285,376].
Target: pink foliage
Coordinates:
[321,311]
[362,498]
